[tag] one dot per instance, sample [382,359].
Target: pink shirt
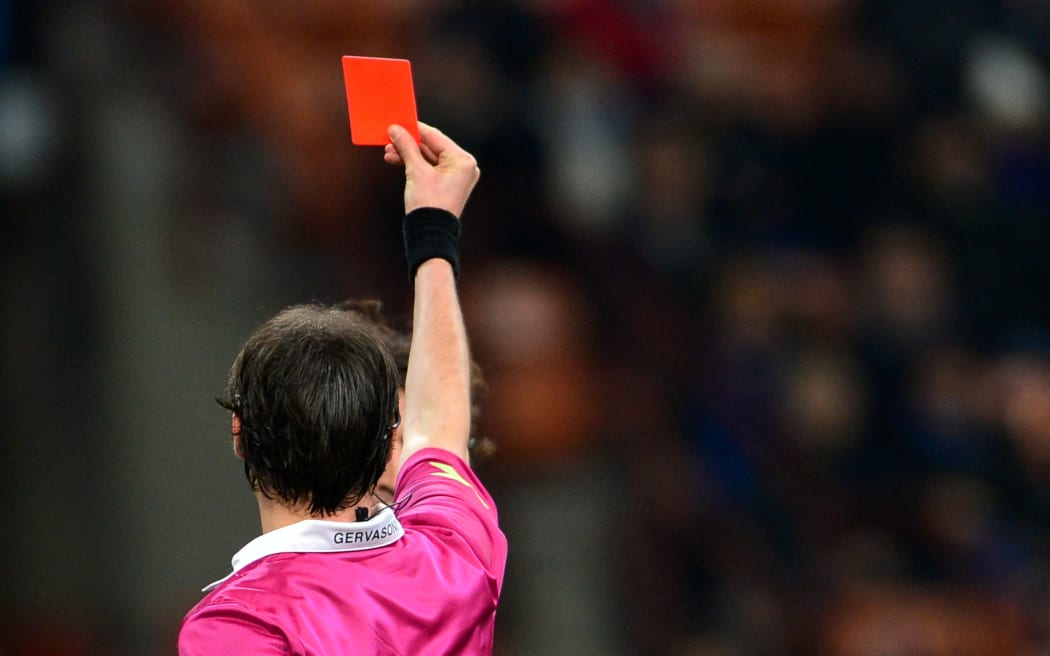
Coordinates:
[424,582]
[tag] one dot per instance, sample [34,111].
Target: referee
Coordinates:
[314,399]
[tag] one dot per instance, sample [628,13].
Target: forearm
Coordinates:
[439,175]
[437,387]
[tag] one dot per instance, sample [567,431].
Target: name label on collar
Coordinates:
[367,535]
[319,536]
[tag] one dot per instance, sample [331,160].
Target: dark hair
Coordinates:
[399,343]
[315,389]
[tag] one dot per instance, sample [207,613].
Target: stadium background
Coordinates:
[760,288]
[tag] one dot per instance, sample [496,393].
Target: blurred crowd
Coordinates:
[761,289]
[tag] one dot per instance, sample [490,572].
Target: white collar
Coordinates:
[319,536]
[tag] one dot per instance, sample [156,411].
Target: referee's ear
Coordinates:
[235,429]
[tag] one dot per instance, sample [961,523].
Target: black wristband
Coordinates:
[431,232]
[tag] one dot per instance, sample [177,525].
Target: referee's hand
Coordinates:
[438,172]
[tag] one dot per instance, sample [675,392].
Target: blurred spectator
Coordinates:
[533,328]
[888,621]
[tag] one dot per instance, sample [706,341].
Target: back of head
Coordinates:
[316,393]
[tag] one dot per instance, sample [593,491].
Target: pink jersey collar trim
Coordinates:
[319,536]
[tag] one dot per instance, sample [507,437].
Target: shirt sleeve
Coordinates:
[437,490]
[229,628]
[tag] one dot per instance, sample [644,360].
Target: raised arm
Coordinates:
[439,176]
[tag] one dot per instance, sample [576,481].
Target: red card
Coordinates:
[379,92]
